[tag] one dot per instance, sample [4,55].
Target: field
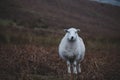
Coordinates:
[29,39]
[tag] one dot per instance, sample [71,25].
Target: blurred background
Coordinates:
[31,30]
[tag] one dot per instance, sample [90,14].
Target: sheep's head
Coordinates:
[71,34]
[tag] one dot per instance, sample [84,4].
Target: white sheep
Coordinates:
[72,49]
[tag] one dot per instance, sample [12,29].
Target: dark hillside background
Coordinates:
[30,32]
[89,16]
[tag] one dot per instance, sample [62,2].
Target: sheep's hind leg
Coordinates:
[68,64]
[79,69]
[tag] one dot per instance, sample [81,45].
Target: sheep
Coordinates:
[72,49]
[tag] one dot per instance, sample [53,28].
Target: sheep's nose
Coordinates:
[72,38]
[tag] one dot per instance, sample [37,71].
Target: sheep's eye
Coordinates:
[68,32]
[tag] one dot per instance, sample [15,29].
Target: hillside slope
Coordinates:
[30,32]
[90,17]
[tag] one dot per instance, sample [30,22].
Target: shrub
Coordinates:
[4,38]
[6,22]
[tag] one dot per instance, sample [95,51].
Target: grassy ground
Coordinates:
[34,56]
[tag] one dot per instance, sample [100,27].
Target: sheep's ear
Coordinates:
[78,30]
[66,30]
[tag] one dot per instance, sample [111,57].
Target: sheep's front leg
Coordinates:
[68,64]
[74,67]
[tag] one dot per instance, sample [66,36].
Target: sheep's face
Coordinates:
[71,34]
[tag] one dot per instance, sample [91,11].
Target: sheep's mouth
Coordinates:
[71,40]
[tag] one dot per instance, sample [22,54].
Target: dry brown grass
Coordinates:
[38,62]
